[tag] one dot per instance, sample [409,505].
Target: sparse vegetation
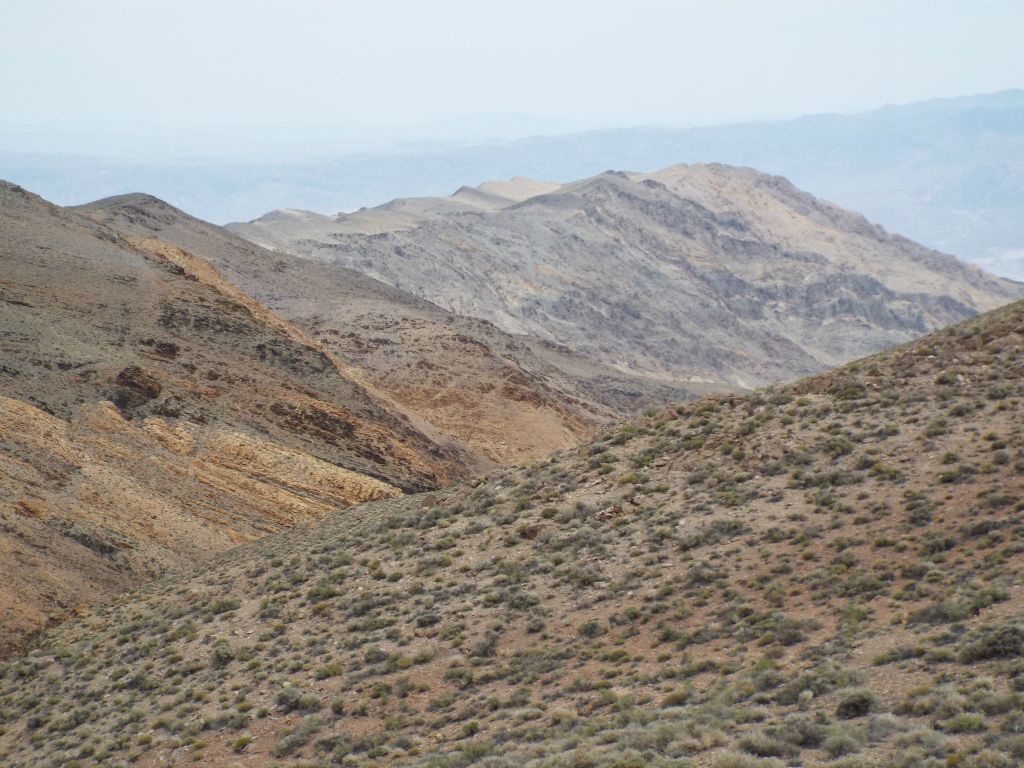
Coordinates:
[813,595]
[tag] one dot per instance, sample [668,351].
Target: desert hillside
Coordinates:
[170,390]
[822,573]
[153,413]
[694,273]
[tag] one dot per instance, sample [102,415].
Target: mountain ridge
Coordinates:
[328,302]
[943,172]
[703,249]
[154,414]
[157,411]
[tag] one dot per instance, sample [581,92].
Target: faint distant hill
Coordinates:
[948,173]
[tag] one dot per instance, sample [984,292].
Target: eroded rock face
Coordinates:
[88,315]
[135,388]
[140,426]
[94,505]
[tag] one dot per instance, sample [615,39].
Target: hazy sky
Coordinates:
[563,63]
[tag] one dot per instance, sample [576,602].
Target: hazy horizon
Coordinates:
[255,78]
[295,141]
[230,109]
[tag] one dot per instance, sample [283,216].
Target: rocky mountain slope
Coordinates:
[153,412]
[694,273]
[823,573]
[504,399]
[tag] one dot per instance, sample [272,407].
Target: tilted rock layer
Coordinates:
[151,413]
[98,503]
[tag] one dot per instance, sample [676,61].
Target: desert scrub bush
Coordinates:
[919,508]
[677,698]
[941,702]
[802,730]
[590,629]
[842,740]
[854,761]
[918,748]
[766,744]
[297,738]
[988,758]
[884,726]
[741,760]
[819,681]
[223,605]
[995,702]
[332,669]
[856,704]
[713,533]
[964,722]
[1005,640]
[291,698]
[222,654]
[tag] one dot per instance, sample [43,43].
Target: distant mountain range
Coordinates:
[703,273]
[948,173]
